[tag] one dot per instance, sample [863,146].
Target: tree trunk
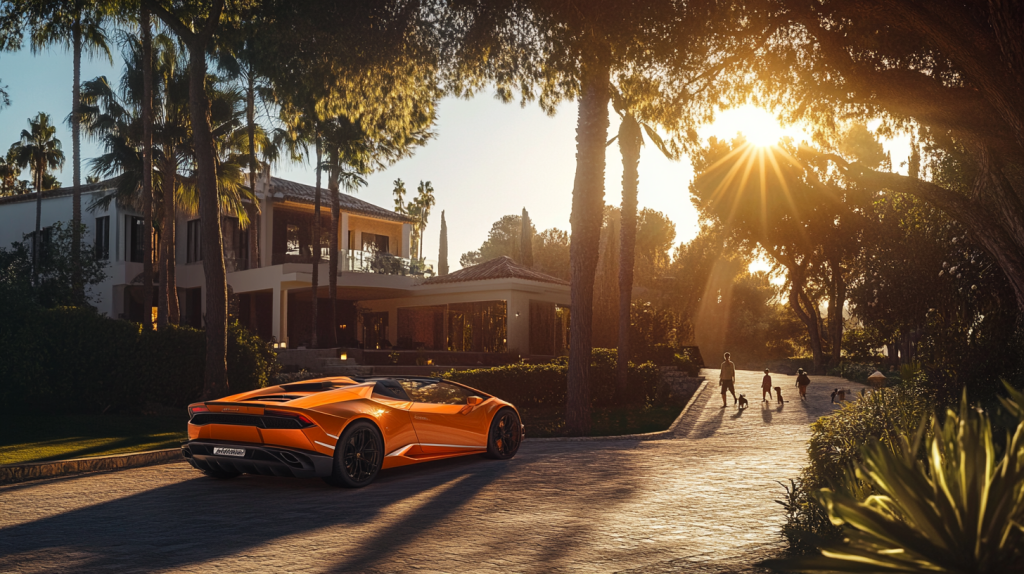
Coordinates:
[39,214]
[333,247]
[797,301]
[585,221]
[168,313]
[250,113]
[78,287]
[316,245]
[629,147]
[835,307]
[147,170]
[215,382]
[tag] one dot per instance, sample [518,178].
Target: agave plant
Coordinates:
[957,506]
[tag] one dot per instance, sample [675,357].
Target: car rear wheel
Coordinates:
[358,456]
[505,436]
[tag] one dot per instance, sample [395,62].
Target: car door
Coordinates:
[444,422]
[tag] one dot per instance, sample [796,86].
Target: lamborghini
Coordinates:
[347,429]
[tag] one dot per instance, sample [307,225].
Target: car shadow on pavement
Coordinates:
[204,519]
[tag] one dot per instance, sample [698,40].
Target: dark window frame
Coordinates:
[102,238]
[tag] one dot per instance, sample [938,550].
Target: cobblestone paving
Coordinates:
[699,501]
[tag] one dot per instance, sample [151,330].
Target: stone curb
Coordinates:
[13,473]
[657,435]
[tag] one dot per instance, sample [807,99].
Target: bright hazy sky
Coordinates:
[488,159]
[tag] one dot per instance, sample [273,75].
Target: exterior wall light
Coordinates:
[343,356]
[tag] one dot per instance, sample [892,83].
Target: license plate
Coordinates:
[229,451]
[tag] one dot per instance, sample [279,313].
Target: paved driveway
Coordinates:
[700,501]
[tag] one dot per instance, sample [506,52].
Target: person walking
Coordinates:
[766,387]
[802,380]
[727,379]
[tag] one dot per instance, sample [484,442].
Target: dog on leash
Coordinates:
[743,401]
[778,394]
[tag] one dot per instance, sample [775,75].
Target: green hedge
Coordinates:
[527,385]
[836,441]
[72,360]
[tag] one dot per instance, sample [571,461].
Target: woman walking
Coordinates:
[802,380]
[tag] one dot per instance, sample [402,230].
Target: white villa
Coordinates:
[386,299]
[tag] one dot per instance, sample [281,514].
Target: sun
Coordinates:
[758,126]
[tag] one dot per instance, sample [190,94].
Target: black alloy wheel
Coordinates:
[505,436]
[358,456]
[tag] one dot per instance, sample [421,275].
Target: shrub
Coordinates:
[947,503]
[74,360]
[882,415]
[530,385]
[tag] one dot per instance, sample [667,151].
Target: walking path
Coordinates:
[699,501]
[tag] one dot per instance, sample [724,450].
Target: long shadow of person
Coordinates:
[766,413]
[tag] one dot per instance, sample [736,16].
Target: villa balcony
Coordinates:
[352,261]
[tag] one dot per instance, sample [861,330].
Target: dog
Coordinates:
[778,394]
[842,395]
[743,401]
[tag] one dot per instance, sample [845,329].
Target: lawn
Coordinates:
[42,438]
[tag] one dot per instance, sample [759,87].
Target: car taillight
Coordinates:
[199,408]
[303,419]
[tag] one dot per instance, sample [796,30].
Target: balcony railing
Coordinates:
[353,261]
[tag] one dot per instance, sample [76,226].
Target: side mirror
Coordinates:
[474,401]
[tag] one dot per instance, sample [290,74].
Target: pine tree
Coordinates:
[442,256]
[526,241]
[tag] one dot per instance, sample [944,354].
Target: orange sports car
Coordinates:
[346,429]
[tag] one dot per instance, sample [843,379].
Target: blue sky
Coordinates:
[488,160]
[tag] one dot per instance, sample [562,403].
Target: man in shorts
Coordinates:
[727,379]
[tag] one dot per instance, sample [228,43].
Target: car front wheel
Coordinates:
[358,456]
[505,436]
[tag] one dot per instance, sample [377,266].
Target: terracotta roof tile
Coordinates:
[296,191]
[498,268]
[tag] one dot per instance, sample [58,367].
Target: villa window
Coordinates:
[134,245]
[102,246]
[479,326]
[292,244]
[193,243]
[549,328]
[421,328]
[236,245]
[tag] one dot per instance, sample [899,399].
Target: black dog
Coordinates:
[778,392]
[743,401]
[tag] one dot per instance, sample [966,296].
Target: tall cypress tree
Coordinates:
[526,241]
[442,256]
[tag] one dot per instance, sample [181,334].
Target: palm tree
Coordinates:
[631,139]
[40,151]
[77,26]
[195,30]
[399,193]
[419,208]
[240,56]
[114,117]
